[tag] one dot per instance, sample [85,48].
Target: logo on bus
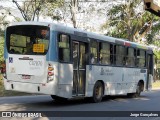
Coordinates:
[35,63]
[10,60]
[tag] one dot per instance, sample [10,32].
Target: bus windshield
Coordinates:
[27,39]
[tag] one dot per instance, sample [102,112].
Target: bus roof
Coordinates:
[82,33]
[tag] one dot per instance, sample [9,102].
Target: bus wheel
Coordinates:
[138,92]
[58,99]
[97,92]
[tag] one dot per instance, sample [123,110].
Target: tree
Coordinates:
[32,9]
[1,49]
[74,8]
[82,14]
[128,20]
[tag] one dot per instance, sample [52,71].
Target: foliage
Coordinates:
[1,49]
[153,36]
[49,7]
[2,33]
[157,54]
[156,84]
[31,9]
[129,21]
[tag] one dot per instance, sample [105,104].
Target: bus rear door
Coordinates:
[150,66]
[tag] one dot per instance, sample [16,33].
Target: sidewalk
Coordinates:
[157,88]
[156,85]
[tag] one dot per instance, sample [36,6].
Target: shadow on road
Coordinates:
[51,103]
[45,102]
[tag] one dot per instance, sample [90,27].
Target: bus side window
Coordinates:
[104,53]
[64,48]
[130,58]
[93,52]
[120,55]
[141,61]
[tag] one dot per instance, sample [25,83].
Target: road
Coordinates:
[149,101]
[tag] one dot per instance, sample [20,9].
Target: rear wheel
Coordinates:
[97,92]
[58,99]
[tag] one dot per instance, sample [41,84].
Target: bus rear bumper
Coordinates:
[40,88]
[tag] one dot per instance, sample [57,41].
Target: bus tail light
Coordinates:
[50,72]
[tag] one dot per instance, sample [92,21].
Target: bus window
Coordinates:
[130,58]
[104,53]
[111,53]
[93,51]
[22,39]
[64,48]
[141,61]
[120,55]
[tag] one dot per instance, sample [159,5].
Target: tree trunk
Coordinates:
[74,9]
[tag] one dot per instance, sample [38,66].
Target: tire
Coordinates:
[58,99]
[97,92]
[137,93]
[138,90]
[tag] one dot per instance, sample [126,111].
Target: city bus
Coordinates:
[68,63]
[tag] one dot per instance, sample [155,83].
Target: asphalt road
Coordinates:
[149,101]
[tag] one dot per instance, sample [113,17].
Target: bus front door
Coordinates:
[149,71]
[79,68]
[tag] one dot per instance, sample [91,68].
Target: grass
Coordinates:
[156,84]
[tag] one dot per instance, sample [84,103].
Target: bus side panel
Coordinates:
[94,73]
[89,84]
[150,82]
[117,80]
[65,80]
[111,76]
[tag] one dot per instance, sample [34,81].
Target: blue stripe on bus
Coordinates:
[133,45]
[5,47]
[52,54]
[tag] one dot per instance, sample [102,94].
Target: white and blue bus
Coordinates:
[67,63]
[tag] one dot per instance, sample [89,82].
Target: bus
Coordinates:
[69,63]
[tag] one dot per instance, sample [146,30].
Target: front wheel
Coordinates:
[97,92]
[137,93]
